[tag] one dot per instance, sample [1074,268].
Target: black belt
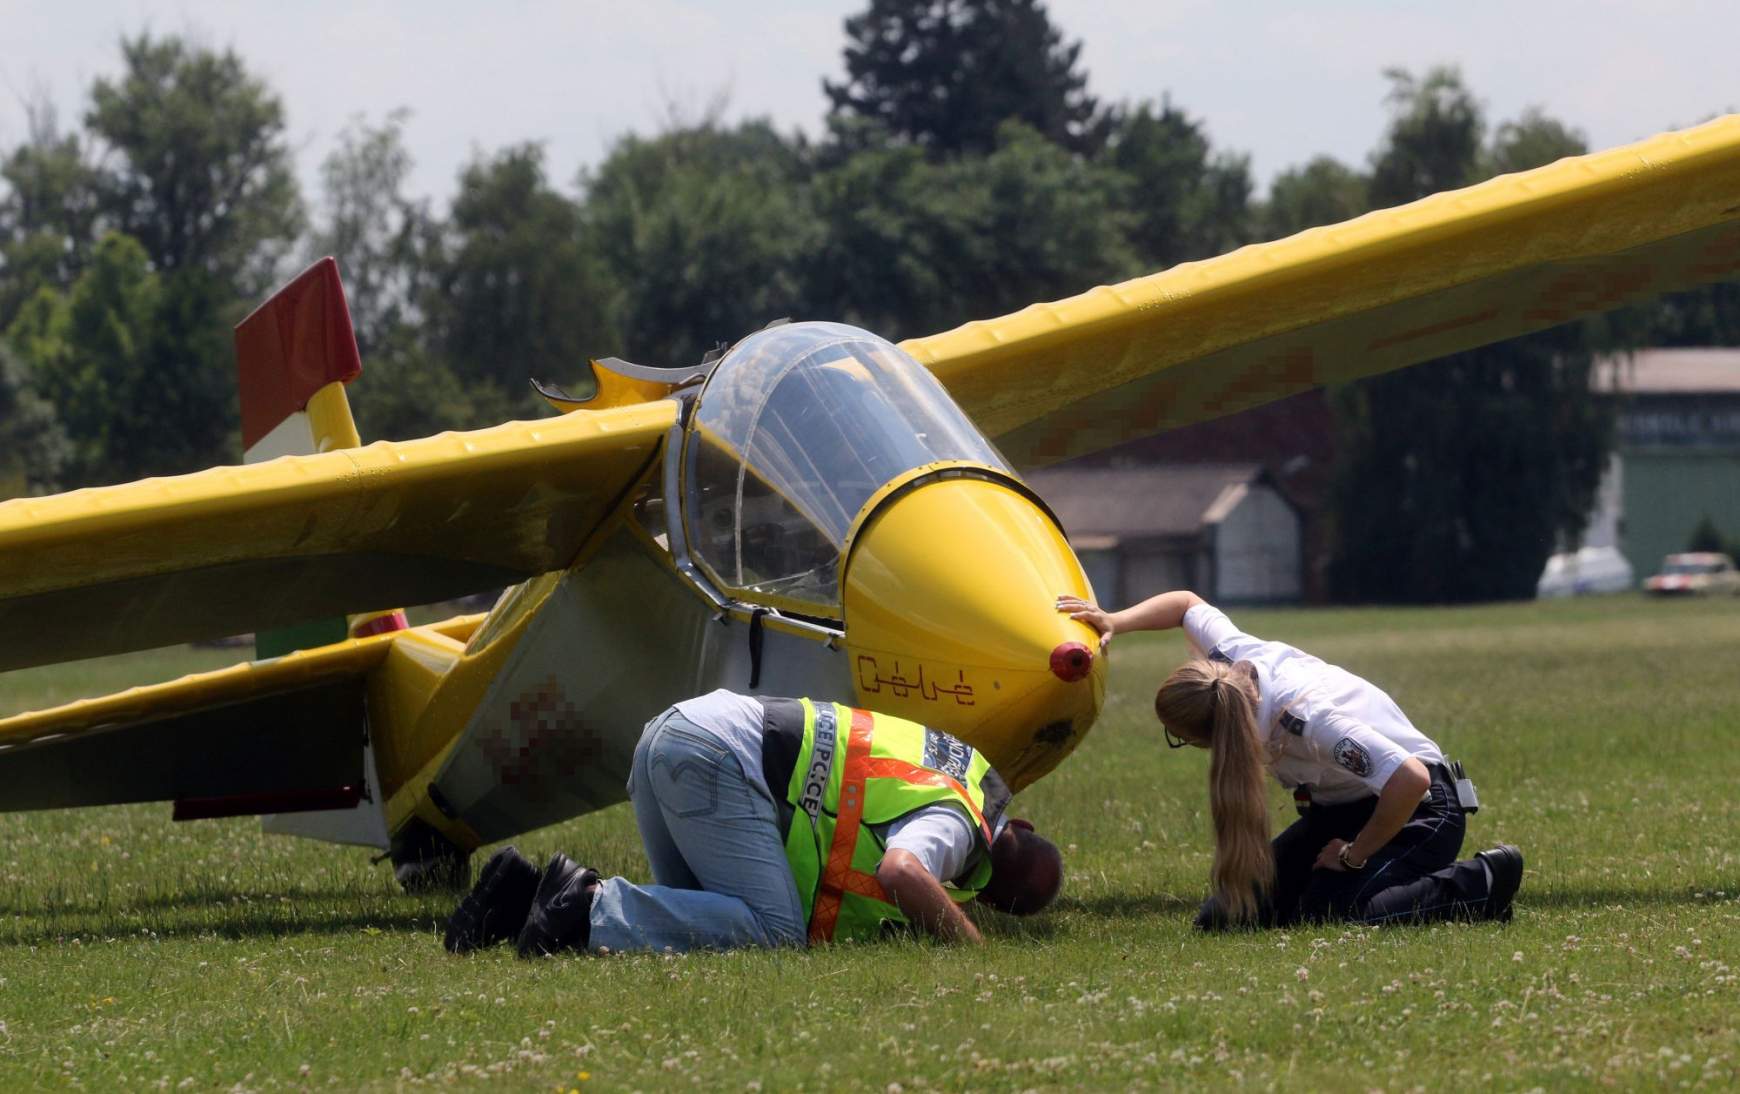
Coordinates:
[1446,776]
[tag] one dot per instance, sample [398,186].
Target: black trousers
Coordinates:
[1414,878]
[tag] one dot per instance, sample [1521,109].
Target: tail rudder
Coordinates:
[294,354]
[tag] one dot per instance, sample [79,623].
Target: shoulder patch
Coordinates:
[1292,723]
[950,755]
[1352,755]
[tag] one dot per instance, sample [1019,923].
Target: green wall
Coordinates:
[1666,493]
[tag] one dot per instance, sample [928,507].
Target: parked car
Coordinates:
[1695,573]
[1584,571]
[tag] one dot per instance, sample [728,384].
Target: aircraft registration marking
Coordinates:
[871,681]
[543,743]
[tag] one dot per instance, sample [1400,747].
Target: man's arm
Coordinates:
[922,898]
[1157,613]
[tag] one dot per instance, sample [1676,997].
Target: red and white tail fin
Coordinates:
[294,355]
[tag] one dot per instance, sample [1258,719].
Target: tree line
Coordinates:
[964,170]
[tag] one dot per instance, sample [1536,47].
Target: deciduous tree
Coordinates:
[913,247]
[373,228]
[1186,200]
[514,291]
[1324,191]
[702,231]
[48,211]
[200,173]
[33,446]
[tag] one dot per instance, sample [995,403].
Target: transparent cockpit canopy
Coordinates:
[797,427]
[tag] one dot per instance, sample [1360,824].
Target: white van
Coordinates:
[1587,570]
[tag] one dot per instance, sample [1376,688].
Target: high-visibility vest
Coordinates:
[856,769]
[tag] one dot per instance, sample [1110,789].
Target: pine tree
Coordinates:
[945,74]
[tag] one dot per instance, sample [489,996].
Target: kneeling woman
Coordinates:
[1377,842]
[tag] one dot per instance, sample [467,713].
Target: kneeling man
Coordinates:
[776,822]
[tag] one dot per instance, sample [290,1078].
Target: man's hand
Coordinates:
[1330,857]
[922,899]
[1090,614]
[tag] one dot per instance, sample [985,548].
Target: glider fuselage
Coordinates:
[816,537]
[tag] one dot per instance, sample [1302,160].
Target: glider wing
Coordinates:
[1449,272]
[283,734]
[236,549]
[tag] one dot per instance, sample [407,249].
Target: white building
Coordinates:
[1677,458]
[1220,529]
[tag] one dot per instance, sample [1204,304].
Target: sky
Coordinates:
[1280,82]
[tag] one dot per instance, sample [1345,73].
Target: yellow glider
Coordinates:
[812,513]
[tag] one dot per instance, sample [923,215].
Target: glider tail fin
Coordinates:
[294,355]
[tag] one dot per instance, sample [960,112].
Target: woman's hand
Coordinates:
[1330,857]
[1090,614]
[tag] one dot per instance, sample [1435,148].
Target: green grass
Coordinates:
[1603,734]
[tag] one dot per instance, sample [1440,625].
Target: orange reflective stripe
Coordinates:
[837,874]
[885,768]
[861,884]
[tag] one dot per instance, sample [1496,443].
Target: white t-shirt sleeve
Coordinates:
[1345,742]
[1207,627]
[938,836]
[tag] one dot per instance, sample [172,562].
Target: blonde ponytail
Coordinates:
[1204,702]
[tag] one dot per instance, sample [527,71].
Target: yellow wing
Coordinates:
[235,549]
[278,734]
[1446,273]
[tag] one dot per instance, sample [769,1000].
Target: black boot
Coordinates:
[560,917]
[496,909]
[1506,864]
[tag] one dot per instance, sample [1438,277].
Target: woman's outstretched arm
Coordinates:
[1157,613]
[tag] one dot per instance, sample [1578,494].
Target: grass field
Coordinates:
[135,952]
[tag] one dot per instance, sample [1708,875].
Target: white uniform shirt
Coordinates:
[1326,728]
[939,836]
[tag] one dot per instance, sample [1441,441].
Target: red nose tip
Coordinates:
[1071,661]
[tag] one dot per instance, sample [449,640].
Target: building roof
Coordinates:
[1129,502]
[1672,372]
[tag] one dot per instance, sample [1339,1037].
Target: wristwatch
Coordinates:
[1341,856]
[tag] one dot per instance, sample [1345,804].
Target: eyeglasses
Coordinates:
[1171,741]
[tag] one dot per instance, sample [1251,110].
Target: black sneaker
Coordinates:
[496,908]
[560,915]
[1506,864]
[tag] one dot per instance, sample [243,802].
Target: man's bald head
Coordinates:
[1026,871]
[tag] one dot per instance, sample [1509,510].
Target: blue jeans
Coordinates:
[716,851]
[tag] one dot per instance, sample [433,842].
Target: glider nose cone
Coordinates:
[1071,661]
[950,597]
